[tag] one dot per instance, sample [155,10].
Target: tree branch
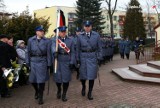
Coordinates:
[115,5]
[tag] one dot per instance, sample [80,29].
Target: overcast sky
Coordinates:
[20,5]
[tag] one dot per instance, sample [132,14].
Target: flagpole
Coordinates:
[57,32]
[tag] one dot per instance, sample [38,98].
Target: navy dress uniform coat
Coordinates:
[89,50]
[121,46]
[128,46]
[38,57]
[103,44]
[63,74]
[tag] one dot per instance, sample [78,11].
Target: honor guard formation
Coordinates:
[60,55]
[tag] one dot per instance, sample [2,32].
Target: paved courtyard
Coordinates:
[113,92]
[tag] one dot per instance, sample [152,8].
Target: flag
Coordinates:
[154,6]
[62,19]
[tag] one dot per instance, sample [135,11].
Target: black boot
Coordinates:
[65,88]
[83,92]
[35,85]
[40,99]
[59,90]
[64,98]
[91,83]
[41,89]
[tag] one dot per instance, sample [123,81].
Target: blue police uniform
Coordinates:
[107,50]
[128,46]
[121,47]
[63,74]
[38,58]
[89,52]
[65,63]
[112,45]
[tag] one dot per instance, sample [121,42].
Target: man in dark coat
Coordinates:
[65,60]
[38,58]
[89,53]
[5,62]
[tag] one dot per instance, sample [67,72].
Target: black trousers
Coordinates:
[65,87]
[91,84]
[122,55]
[3,86]
[39,88]
[127,55]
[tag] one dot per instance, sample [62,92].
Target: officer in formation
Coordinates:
[111,48]
[104,48]
[89,53]
[65,57]
[108,45]
[127,47]
[38,58]
[75,37]
[121,47]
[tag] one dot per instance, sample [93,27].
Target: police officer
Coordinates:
[89,52]
[107,49]
[78,31]
[38,58]
[5,62]
[65,60]
[103,43]
[121,47]
[127,45]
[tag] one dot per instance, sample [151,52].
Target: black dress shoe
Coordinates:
[40,101]
[58,95]
[90,96]
[83,92]
[64,99]
[36,95]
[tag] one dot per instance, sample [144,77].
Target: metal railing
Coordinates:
[148,52]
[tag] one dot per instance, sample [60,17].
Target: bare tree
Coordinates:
[111,10]
[149,19]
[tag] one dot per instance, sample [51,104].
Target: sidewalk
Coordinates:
[113,92]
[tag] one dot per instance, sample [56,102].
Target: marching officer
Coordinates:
[89,52]
[38,58]
[127,49]
[121,47]
[65,58]
[78,31]
[103,43]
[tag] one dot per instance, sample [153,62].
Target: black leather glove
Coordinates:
[71,66]
[56,55]
[48,67]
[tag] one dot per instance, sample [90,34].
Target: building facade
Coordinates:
[70,14]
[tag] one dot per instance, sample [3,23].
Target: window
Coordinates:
[107,26]
[107,17]
[115,26]
[115,18]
